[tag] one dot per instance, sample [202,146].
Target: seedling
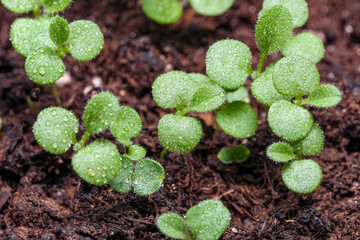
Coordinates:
[238,154]
[204,221]
[169,11]
[100,162]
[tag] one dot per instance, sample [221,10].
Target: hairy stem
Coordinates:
[261,63]
[82,142]
[56,93]
[163,153]
[31,104]
[37,12]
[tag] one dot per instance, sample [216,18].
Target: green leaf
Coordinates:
[127,125]
[237,154]
[59,30]
[264,91]
[305,45]
[200,79]
[21,6]
[211,7]
[148,177]
[273,29]
[123,180]
[237,119]
[43,66]
[173,89]
[207,98]
[325,96]
[27,33]
[312,144]
[241,94]
[55,129]
[172,225]
[97,163]
[280,152]
[162,11]
[53,6]
[101,111]
[228,63]
[295,76]
[86,40]
[301,176]
[208,220]
[136,152]
[178,133]
[289,121]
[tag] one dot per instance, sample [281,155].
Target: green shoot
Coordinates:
[238,154]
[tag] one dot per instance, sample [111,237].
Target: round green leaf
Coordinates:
[127,125]
[241,94]
[52,6]
[298,9]
[325,96]
[136,152]
[101,111]
[27,33]
[59,30]
[86,40]
[178,133]
[264,91]
[280,152]
[97,163]
[148,177]
[301,176]
[226,155]
[43,66]
[211,7]
[173,89]
[305,45]
[207,98]
[162,11]
[228,63]
[200,79]
[237,119]
[237,154]
[312,144]
[208,220]
[295,76]
[289,121]
[21,6]
[273,29]
[55,129]
[172,225]
[123,180]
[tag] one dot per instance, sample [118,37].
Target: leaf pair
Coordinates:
[238,154]
[205,221]
[24,6]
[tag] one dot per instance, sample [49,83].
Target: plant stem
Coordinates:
[31,104]
[56,93]
[163,153]
[83,140]
[261,63]
[37,12]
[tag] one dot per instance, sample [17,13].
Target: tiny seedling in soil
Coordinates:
[100,162]
[287,88]
[205,221]
[169,11]
[238,154]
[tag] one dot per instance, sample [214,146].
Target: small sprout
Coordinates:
[241,94]
[324,96]
[162,11]
[136,152]
[289,121]
[295,76]
[312,144]
[127,125]
[148,176]
[123,181]
[280,152]
[298,9]
[179,133]
[237,119]
[53,6]
[305,45]
[206,220]
[97,163]
[228,63]
[101,111]
[55,129]
[200,79]
[207,98]
[21,6]
[273,29]
[211,7]
[301,176]
[238,154]
[59,30]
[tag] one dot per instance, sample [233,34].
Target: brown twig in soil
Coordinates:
[156,208]
[238,209]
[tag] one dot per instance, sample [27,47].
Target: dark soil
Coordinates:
[42,198]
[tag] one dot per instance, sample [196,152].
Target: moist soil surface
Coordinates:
[41,197]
